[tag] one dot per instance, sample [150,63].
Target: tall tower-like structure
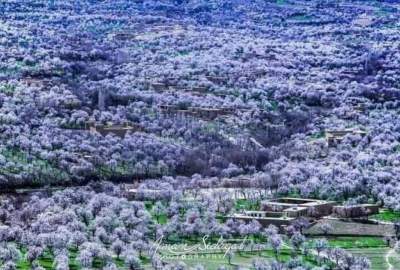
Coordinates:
[102,95]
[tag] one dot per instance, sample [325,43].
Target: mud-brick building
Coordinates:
[283,211]
[117,130]
[297,207]
[333,137]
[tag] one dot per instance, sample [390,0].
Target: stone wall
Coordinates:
[265,222]
[355,211]
[350,228]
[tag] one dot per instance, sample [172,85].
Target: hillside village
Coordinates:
[133,133]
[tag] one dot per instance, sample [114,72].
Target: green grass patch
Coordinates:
[395,260]
[356,242]
[16,67]
[7,89]
[47,261]
[274,105]
[161,219]
[212,261]
[387,215]
[318,135]
[244,204]
[149,205]
[23,159]
[397,148]
[376,256]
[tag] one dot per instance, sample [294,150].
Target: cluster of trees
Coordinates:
[99,227]
[103,230]
[285,73]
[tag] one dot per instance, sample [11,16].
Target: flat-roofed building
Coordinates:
[207,113]
[282,212]
[124,35]
[265,218]
[299,207]
[217,79]
[334,137]
[117,130]
[36,82]
[296,211]
[159,87]
[200,112]
[199,89]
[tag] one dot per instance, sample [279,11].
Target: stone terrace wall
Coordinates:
[340,227]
